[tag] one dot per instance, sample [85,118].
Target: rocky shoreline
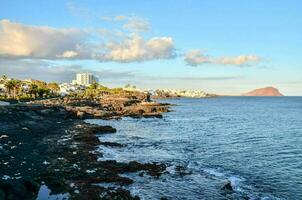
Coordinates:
[47,143]
[109,107]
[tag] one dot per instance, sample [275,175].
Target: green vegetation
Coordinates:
[96,90]
[17,90]
[13,89]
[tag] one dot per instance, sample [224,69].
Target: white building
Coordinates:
[85,79]
[67,88]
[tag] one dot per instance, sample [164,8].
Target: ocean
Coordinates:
[253,142]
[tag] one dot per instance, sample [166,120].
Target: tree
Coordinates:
[12,85]
[9,87]
[40,84]
[53,87]
[42,92]
[33,90]
[94,86]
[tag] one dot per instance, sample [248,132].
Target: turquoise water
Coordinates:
[254,142]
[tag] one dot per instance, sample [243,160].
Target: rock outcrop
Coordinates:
[228,186]
[48,145]
[267,91]
[108,107]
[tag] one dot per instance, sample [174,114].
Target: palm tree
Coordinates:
[9,87]
[16,87]
[12,85]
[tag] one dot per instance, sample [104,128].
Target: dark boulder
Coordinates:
[18,189]
[112,144]
[228,186]
[103,129]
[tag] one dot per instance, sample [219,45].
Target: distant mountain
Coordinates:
[267,91]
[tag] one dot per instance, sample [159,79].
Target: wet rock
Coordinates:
[182,171]
[46,111]
[103,129]
[109,106]
[152,115]
[18,189]
[153,169]
[56,135]
[228,186]
[112,144]
[117,179]
[141,174]
[119,194]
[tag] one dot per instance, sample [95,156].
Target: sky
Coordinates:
[223,47]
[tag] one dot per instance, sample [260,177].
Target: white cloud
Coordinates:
[239,60]
[132,23]
[18,40]
[120,17]
[137,24]
[42,42]
[68,54]
[114,18]
[135,48]
[196,57]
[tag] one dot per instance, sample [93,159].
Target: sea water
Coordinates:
[253,142]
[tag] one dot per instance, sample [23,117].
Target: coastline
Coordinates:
[47,144]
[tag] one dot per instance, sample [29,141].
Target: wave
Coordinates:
[239,184]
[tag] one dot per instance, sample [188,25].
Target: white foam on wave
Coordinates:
[271,198]
[136,191]
[171,169]
[214,172]
[111,154]
[239,185]
[235,180]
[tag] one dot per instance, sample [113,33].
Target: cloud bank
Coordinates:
[42,42]
[44,70]
[196,57]
[23,41]
[20,41]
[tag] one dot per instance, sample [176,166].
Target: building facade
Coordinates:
[85,79]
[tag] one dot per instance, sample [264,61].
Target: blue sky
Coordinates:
[225,47]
